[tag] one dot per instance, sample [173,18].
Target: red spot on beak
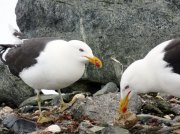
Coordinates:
[124,103]
[124,109]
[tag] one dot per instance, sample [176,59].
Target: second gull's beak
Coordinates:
[124,103]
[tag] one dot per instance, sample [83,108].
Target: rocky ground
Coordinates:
[125,29]
[95,114]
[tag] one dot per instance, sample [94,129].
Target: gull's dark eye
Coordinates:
[126,87]
[81,50]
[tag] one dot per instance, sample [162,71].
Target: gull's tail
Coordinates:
[4,48]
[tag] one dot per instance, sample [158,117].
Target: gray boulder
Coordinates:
[12,90]
[103,108]
[126,29]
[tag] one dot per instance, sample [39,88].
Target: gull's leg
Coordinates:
[41,119]
[63,105]
[39,103]
[60,97]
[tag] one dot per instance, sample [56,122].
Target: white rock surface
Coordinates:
[53,129]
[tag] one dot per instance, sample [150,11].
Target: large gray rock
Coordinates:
[127,29]
[12,90]
[103,108]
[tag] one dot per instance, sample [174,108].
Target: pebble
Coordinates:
[109,87]
[79,96]
[88,128]
[167,117]
[125,120]
[95,129]
[177,118]
[53,128]
[115,130]
[5,111]
[176,109]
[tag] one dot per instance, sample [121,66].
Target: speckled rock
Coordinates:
[102,108]
[12,90]
[126,29]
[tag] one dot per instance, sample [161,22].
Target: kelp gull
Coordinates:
[48,63]
[158,71]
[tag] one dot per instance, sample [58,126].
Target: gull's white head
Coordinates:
[85,53]
[133,80]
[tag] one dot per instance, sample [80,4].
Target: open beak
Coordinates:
[96,61]
[124,103]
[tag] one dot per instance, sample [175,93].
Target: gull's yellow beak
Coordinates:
[124,103]
[96,61]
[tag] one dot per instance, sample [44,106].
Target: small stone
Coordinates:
[177,119]
[36,112]
[176,109]
[88,128]
[3,104]
[95,129]
[167,117]
[79,96]
[35,117]
[115,130]
[43,111]
[171,115]
[85,124]
[53,129]
[7,109]
[109,87]
[125,120]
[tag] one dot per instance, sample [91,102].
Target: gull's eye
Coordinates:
[126,87]
[81,50]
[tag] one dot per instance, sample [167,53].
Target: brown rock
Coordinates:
[125,120]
